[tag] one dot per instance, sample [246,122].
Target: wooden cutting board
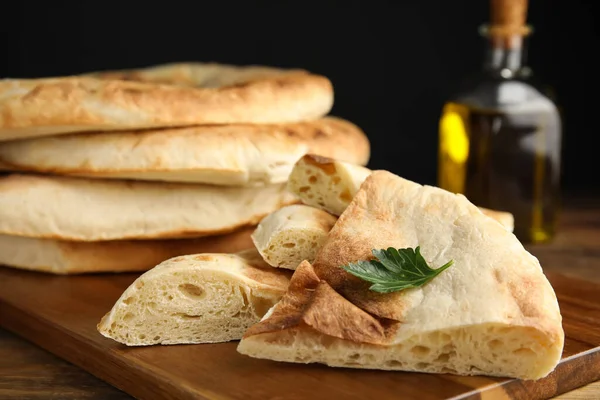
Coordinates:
[60,314]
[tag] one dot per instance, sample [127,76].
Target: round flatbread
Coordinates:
[54,207]
[161,96]
[237,155]
[64,257]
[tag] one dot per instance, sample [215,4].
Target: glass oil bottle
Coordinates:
[500,137]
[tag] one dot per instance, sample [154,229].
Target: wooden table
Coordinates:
[28,372]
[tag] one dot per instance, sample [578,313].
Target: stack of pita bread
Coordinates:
[120,170]
[289,299]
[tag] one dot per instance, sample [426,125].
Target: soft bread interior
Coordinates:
[501,351]
[204,298]
[325,183]
[292,234]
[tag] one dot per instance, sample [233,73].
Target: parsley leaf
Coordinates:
[395,270]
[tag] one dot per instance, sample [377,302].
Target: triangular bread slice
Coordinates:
[493,312]
[292,234]
[331,185]
[201,298]
[180,94]
[215,154]
[80,209]
[69,257]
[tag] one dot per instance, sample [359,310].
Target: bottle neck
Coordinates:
[506,56]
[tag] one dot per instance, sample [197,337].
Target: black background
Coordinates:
[392,63]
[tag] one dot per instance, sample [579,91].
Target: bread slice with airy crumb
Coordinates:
[201,298]
[332,184]
[326,183]
[292,234]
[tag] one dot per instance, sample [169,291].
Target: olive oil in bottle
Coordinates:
[500,138]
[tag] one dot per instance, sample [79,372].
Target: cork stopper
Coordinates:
[508,22]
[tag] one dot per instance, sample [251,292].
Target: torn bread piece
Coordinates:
[493,312]
[326,183]
[64,257]
[200,298]
[331,185]
[292,234]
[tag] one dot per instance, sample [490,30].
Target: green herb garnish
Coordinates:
[395,270]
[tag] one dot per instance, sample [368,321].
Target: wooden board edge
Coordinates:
[571,373]
[32,328]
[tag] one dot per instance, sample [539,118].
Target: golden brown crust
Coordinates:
[267,275]
[289,311]
[89,103]
[215,154]
[312,302]
[342,248]
[196,74]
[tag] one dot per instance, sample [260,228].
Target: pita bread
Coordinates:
[292,234]
[67,257]
[161,96]
[54,207]
[202,298]
[331,185]
[491,313]
[222,155]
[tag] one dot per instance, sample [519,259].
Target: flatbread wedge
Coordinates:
[80,209]
[232,155]
[292,234]
[331,185]
[180,94]
[201,298]
[63,257]
[493,312]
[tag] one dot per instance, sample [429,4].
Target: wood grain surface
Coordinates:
[60,314]
[28,372]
